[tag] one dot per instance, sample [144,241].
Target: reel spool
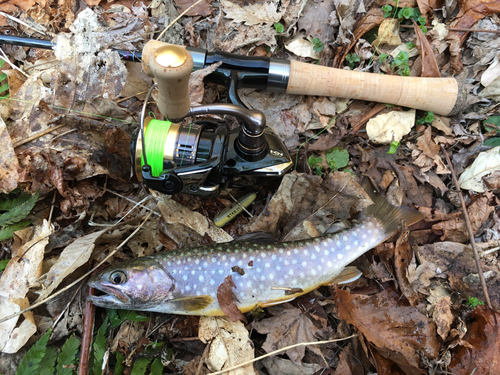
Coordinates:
[196,158]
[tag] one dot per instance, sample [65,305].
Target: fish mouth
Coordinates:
[111,297]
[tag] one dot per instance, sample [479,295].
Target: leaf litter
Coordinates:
[67,128]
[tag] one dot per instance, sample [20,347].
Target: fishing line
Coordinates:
[155,137]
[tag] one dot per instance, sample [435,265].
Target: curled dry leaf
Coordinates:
[486,162]
[303,48]
[388,33]
[402,258]
[443,317]
[254,13]
[22,272]
[390,127]
[383,320]
[288,326]
[429,64]
[227,300]
[72,257]
[230,344]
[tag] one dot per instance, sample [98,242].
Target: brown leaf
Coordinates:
[9,164]
[288,326]
[396,331]
[429,64]
[402,258]
[424,7]
[443,317]
[196,84]
[203,9]
[426,144]
[118,142]
[227,300]
[484,336]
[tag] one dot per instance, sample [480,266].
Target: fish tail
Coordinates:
[389,216]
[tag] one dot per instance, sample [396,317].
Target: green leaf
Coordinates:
[7,204]
[30,363]
[472,302]
[4,88]
[493,120]
[410,45]
[422,20]
[67,359]
[382,57]
[3,76]
[337,158]
[8,232]
[119,363]
[394,147]
[423,28]
[3,264]
[318,45]
[429,117]
[140,366]
[100,347]
[313,162]
[405,13]
[157,367]
[279,27]
[494,142]
[2,62]
[117,317]
[48,363]
[387,10]
[18,212]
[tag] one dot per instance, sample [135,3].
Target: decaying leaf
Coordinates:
[390,127]
[486,163]
[227,300]
[383,320]
[402,258]
[288,326]
[72,257]
[483,335]
[388,33]
[280,366]
[252,14]
[429,64]
[443,317]
[230,344]
[22,272]
[9,164]
[303,48]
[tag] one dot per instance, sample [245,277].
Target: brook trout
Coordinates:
[185,281]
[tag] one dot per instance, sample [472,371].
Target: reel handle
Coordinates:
[171,65]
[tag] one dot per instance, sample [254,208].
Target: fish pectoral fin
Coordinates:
[194,303]
[348,275]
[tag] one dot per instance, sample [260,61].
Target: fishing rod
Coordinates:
[199,157]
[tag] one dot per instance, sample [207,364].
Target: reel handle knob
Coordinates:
[171,65]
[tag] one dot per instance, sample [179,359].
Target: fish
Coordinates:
[264,273]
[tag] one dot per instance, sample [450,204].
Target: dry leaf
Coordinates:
[429,64]
[443,317]
[230,344]
[8,162]
[303,48]
[486,163]
[427,145]
[388,33]
[280,366]
[383,320]
[227,300]
[22,272]
[402,258]
[203,9]
[442,123]
[390,127]
[288,326]
[72,257]
[252,14]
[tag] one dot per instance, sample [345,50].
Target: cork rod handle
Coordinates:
[171,65]
[443,96]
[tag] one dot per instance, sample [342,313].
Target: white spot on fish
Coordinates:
[313,256]
[290,272]
[240,263]
[204,289]
[329,264]
[263,255]
[249,284]
[224,257]
[197,261]
[212,281]
[317,248]
[344,238]
[363,236]
[263,277]
[356,243]
[201,278]
[178,262]
[273,257]
[233,259]
[192,272]
[278,268]
[271,276]
[244,256]
[221,272]
[348,247]
[313,272]
[327,252]
[302,275]
[304,264]
[287,262]
[205,264]
[188,288]
[184,277]
[340,256]
[369,231]
[296,251]
[280,251]
[320,267]
[139,286]
[288,253]
[214,260]
[169,264]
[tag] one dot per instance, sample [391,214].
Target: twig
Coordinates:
[239,204]
[37,135]
[132,201]
[80,278]
[67,306]
[88,331]
[469,229]
[21,22]
[178,18]
[279,351]
[458,29]
[6,58]
[129,97]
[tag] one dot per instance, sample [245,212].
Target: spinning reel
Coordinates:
[201,156]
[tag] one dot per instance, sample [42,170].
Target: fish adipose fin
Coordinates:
[390,216]
[348,275]
[194,303]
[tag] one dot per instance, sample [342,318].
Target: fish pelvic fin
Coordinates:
[348,275]
[191,304]
[390,216]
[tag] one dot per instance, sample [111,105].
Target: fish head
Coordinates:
[137,284]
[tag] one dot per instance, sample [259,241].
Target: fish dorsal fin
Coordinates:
[194,303]
[348,275]
[257,237]
[389,216]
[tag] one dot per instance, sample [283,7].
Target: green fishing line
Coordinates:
[154,138]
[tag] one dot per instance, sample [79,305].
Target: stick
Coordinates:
[88,331]
[469,229]
[178,18]
[279,351]
[37,135]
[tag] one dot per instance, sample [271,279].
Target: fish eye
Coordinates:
[118,277]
